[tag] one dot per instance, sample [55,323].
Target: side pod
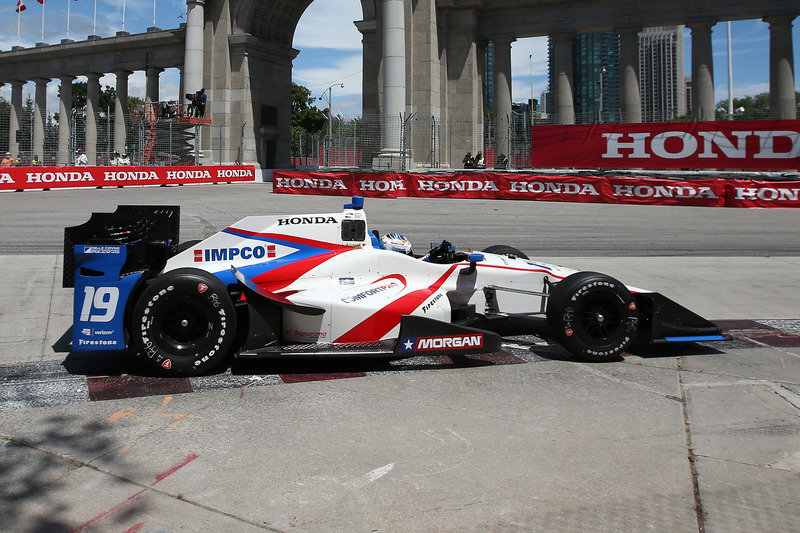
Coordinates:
[667,321]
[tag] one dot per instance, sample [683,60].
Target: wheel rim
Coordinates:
[599,319]
[184,325]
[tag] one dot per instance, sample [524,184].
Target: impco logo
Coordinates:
[310,183]
[457,185]
[370,292]
[539,187]
[450,342]
[231,254]
[664,191]
[296,221]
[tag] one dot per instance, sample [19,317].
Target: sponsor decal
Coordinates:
[381,185]
[427,306]
[58,176]
[449,342]
[296,221]
[102,249]
[167,364]
[202,287]
[130,175]
[553,187]
[347,281]
[245,253]
[646,190]
[310,183]
[456,185]
[370,292]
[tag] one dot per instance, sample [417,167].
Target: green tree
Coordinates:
[748,108]
[307,120]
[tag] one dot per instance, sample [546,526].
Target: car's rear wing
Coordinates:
[149,233]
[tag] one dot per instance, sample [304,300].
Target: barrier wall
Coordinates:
[745,145]
[595,189]
[22,178]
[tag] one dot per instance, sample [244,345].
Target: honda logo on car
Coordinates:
[449,342]
[295,221]
[230,254]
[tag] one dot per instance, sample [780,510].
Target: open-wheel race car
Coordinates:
[324,285]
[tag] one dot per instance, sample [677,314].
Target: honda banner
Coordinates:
[20,178]
[744,145]
[710,192]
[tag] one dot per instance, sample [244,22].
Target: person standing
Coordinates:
[81,160]
[8,161]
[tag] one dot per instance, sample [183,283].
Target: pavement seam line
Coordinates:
[698,503]
[147,488]
[50,309]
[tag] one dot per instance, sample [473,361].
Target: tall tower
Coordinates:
[595,75]
[661,73]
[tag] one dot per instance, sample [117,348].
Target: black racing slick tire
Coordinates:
[184,322]
[592,315]
[502,249]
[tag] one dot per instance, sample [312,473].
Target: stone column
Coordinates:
[394,74]
[702,71]
[630,97]
[13,119]
[562,78]
[502,95]
[39,116]
[151,96]
[782,100]
[193,51]
[65,120]
[92,109]
[121,111]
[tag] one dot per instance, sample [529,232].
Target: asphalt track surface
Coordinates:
[705,437]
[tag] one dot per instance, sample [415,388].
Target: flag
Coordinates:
[21,6]
[40,1]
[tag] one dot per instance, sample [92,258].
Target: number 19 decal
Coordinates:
[99,304]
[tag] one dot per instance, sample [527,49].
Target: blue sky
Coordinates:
[330,47]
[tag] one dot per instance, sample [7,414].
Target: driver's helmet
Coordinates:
[396,243]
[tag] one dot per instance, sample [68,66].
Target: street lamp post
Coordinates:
[600,111]
[330,120]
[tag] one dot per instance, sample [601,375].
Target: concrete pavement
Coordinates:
[704,438]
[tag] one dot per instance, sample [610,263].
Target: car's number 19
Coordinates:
[99,304]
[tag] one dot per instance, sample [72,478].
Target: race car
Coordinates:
[325,285]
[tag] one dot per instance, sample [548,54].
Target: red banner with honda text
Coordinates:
[21,178]
[711,192]
[743,145]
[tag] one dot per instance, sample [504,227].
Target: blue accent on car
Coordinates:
[101,297]
[696,338]
[358,203]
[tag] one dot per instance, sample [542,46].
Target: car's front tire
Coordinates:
[592,315]
[184,322]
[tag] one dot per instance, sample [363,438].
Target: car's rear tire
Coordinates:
[592,315]
[184,322]
[502,249]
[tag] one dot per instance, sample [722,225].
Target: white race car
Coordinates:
[323,284]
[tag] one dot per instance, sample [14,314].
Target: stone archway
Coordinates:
[248,75]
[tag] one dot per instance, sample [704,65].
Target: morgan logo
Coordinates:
[231,254]
[451,342]
[202,287]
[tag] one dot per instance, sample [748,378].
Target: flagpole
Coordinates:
[68,12]
[42,21]
[94,22]
[19,14]
[123,15]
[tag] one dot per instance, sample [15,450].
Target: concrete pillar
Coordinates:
[14,114]
[562,78]
[92,110]
[630,96]
[65,121]
[502,95]
[193,52]
[702,71]
[39,116]
[394,74]
[151,96]
[121,112]
[782,99]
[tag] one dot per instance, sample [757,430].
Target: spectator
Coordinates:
[479,162]
[469,161]
[8,161]
[114,161]
[35,161]
[200,103]
[124,160]
[81,160]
